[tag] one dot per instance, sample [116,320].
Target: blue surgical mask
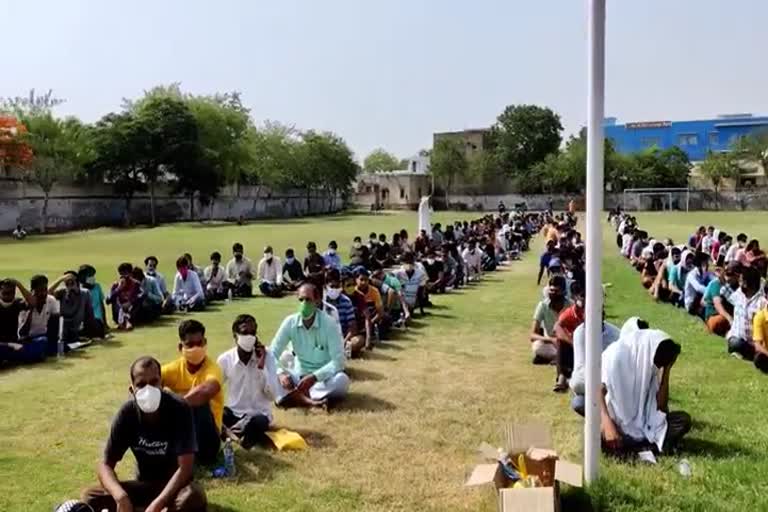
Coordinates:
[290,260]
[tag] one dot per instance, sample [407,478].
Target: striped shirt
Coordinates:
[346,312]
[744,310]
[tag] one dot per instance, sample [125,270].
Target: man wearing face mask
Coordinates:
[86,276]
[353,342]
[570,318]
[435,272]
[717,309]
[331,256]
[250,373]
[157,427]
[188,292]
[360,254]
[270,274]
[543,340]
[74,306]
[293,275]
[150,269]
[746,302]
[372,297]
[414,280]
[239,272]
[318,373]
[314,266]
[473,258]
[197,379]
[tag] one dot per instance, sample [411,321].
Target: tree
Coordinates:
[717,167]
[59,151]
[325,162]
[448,163]
[275,150]
[523,136]
[661,169]
[754,148]
[31,104]
[14,150]
[379,160]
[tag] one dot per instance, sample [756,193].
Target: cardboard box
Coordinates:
[535,442]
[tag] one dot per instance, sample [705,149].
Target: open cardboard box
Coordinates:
[535,441]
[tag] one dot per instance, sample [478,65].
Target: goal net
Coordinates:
[656,199]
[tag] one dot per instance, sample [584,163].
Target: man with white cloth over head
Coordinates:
[635,394]
[424,211]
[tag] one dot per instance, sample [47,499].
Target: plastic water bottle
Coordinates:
[229,295]
[229,458]
[60,343]
[684,468]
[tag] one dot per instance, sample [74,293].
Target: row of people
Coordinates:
[730,298]
[233,394]
[636,360]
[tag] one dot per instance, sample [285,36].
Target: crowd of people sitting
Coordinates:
[181,411]
[712,276]
[636,359]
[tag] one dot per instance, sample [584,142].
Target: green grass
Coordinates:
[419,407]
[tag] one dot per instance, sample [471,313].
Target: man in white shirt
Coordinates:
[215,279]
[38,325]
[188,292]
[270,274]
[473,258]
[240,272]
[250,373]
[150,269]
[19,233]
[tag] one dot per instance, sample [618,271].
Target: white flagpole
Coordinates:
[594,246]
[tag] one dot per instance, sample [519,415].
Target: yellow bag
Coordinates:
[287,440]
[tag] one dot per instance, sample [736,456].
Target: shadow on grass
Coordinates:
[362,402]
[316,439]
[712,449]
[388,345]
[443,315]
[361,374]
[258,465]
[376,355]
[576,500]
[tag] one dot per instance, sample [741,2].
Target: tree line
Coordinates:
[196,144]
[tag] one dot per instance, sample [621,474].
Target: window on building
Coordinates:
[402,193]
[714,138]
[687,139]
[649,142]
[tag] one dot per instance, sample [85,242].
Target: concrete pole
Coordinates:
[594,245]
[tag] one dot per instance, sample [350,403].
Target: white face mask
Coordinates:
[331,251]
[90,280]
[333,293]
[148,399]
[357,245]
[246,342]
[268,255]
[431,261]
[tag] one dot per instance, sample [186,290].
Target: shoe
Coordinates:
[561,386]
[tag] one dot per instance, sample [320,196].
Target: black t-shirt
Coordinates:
[359,256]
[9,320]
[433,269]
[155,445]
[381,251]
[294,270]
[314,263]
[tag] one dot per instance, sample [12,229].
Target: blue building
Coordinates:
[693,137]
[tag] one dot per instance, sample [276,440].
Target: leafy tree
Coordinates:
[657,168]
[523,136]
[275,150]
[326,163]
[753,147]
[14,150]
[31,104]
[59,152]
[379,160]
[717,167]
[448,163]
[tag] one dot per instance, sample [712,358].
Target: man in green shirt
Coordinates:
[317,375]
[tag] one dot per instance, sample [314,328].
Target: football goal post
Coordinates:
[656,199]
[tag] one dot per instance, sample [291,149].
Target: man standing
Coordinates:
[197,380]
[250,373]
[318,373]
[157,427]
[240,272]
[270,274]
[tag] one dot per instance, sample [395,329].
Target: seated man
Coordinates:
[215,279]
[39,325]
[360,254]
[331,256]
[270,274]
[158,429]
[11,308]
[318,374]
[435,272]
[293,274]
[473,259]
[314,266]
[717,310]
[634,399]
[362,315]
[123,297]
[566,325]
[354,342]
[196,379]
[760,338]
[75,307]
[543,340]
[696,284]
[391,290]
[19,233]
[250,374]
[414,280]
[746,302]
[150,269]
[610,335]
[239,273]
[86,276]
[380,320]
[188,294]
[382,252]
[150,303]
[194,268]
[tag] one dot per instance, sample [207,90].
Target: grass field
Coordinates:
[419,406]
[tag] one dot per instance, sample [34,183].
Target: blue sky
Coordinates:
[390,73]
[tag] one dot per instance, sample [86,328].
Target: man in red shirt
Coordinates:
[570,318]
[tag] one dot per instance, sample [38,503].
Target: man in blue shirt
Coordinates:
[331,256]
[318,371]
[549,253]
[354,342]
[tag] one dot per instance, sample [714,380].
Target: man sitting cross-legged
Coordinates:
[124,296]
[293,274]
[270,274]
[188,292]
[39,325]
[250,373]
[196,378]
[543,340]
[318,374]
[11,308]
[158,429]
[150,303]
[240,272]
[354,342]
[215,279]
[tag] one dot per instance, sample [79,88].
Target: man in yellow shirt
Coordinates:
[760,338]
[197,380]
